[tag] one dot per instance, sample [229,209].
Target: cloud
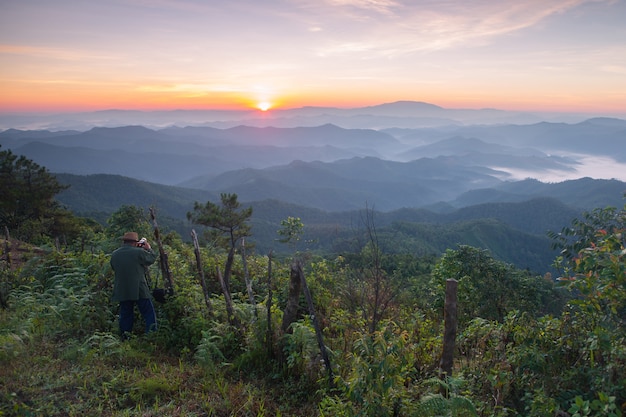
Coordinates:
[585,166]
[392,27]
[614,69]
[379,6]
[57,53]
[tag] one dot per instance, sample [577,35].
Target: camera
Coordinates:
[142,242]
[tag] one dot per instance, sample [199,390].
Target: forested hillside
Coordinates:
[515,230]
[357,332]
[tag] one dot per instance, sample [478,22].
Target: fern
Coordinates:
[208,352]
[450,405]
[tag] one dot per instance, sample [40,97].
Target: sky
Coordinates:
[548,55]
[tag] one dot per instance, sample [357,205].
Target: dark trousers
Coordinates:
[127,315]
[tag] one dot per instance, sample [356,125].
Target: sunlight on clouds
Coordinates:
[53,53]
[188,88]
[477,51]
[262,97]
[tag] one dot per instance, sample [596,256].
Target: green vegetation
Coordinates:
[27,206]
[513,232]
[527,345]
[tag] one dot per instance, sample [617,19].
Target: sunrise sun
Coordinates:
[264,106]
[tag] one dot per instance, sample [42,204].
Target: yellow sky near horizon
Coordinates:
[562,55]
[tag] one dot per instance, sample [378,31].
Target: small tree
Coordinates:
[593,262]
[128,218]
[291,230]
[27,207]
[594,266]
[489,288]
[227,224]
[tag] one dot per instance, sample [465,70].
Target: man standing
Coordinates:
[130,287]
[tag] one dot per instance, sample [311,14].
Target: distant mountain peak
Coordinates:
[129,128]
[412,103]
[606,121]
[406,105]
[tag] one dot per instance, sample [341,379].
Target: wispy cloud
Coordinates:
[58,53]
[188,46]
[407,26]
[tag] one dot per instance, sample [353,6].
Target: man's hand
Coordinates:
[143,243]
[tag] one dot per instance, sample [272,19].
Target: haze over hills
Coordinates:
[435,177]
[427,156]
[400,114]
[461,157]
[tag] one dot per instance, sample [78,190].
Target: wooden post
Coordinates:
[205,290]
[450,326]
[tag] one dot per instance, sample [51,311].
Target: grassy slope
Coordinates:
[105,377]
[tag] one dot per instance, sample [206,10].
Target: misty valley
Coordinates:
[333,247]
[449,168]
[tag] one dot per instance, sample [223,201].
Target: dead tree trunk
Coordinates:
[163,256]
[232,319]
[4,285]
[290,314]
[318,330]
[228,267]
[205,289]
[7,247]
[247,278]
[450,326]
[270,332]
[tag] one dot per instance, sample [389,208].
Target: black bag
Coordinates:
[159,294]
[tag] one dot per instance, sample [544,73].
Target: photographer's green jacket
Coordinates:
[129,263]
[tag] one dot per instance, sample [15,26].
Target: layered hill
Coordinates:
[192,156]
[514,230]
[435,177]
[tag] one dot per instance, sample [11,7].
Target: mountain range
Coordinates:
[511,222]
[399,114]
[411,162]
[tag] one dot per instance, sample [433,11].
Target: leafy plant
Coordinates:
[300,346]
[603,406]
[208,352]
[446,401]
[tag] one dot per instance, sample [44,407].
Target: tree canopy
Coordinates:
[27,206]
[227,221]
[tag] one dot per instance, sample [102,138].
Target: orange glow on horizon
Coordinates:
[59,98]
